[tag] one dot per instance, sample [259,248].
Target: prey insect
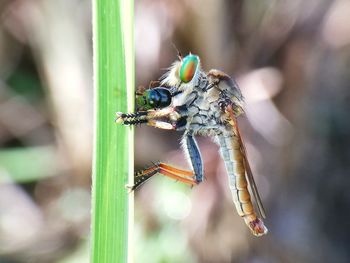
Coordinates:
[200,103]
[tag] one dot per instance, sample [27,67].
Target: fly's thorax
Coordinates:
[204,118]
[200,81]
[228,86]
[204,114]
[238,106]
[213,95]
[225,83]
[208,132]
[179,100]
[201,93]
[210,129]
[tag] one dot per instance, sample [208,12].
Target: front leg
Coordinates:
[149,117]
[175,118]
[130,118]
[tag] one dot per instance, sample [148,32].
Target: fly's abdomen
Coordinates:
[236,174]
[234,163]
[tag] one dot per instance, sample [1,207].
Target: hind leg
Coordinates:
[183,176]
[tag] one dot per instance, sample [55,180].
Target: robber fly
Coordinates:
[199,103]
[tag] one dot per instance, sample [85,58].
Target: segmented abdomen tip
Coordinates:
[257,227]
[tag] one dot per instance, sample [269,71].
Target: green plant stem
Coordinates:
[113,144]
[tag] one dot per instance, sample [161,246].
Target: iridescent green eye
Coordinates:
[188,68]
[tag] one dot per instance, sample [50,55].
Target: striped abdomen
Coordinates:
[234,162]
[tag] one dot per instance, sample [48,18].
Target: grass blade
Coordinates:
[113,144]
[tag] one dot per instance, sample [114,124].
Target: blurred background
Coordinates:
[292,62]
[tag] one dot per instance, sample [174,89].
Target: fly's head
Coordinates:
[183,74]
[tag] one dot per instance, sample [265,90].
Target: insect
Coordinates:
[156,97]
[199,103]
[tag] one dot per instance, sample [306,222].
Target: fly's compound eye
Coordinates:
[189,67]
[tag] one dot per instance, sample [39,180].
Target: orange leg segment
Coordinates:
[183,176]
[176,170]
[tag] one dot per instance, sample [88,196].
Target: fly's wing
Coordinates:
[249,173]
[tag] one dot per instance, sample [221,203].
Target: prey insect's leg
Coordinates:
[163,169]
[192,151]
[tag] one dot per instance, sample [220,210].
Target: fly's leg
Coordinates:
[178,125]
[142,176]
[149,117]
[177,121]
[183,176]
[161,124]
[175,118]
[133,118]
[191,149]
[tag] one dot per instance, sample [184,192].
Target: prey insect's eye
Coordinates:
[188,68]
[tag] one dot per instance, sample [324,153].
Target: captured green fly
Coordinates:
[200,103]
[154,98]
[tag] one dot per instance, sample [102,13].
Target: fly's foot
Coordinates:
[130,188]
[118,117]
